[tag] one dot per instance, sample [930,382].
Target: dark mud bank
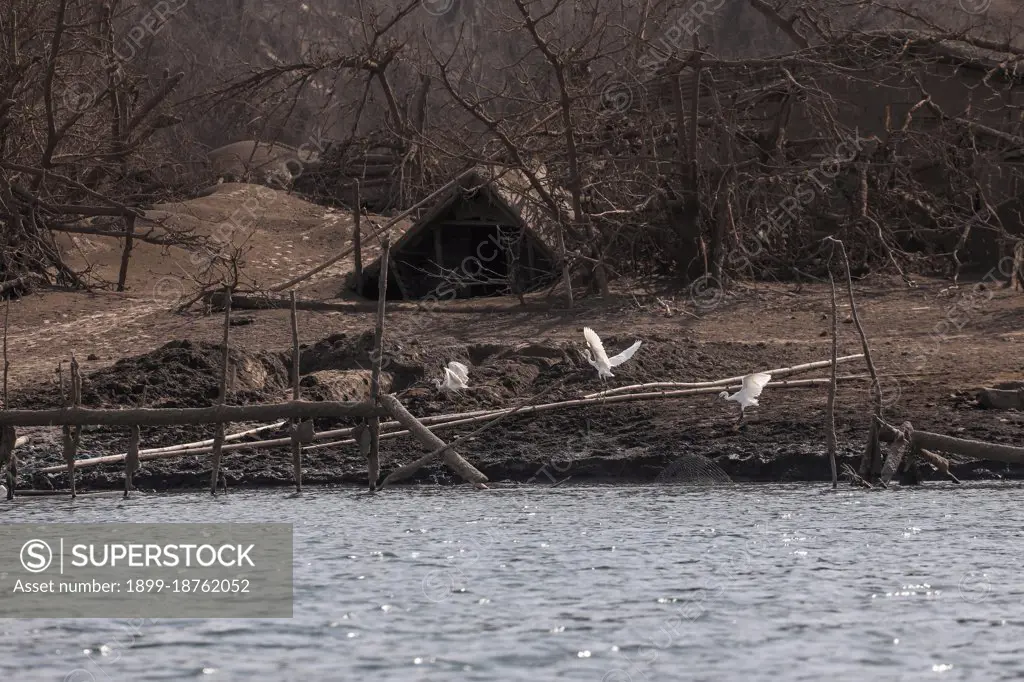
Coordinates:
[670,442]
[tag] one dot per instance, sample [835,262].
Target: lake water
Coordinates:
[612,584]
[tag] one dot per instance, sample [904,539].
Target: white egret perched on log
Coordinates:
[456,376]
[753,384]
[599,359]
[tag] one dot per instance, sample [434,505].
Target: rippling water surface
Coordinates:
[613,584]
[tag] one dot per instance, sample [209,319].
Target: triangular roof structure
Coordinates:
[475,185]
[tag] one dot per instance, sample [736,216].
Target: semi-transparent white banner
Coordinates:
[146,570]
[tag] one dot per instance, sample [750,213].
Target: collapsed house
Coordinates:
[471,243]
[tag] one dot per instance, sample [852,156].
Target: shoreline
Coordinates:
[258,471]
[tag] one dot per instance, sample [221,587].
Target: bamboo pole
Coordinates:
[218,434]
[188,415]
[296,443]
[833,385]
[455,461]
[209,441]
[780,372]
[373,459]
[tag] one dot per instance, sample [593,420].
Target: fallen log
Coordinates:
[18,282]
[996,399]
[263,302]
[453,459]
[85,416]
[974,449]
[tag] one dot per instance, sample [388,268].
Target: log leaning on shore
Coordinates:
[454,460]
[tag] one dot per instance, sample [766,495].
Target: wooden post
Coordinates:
[131,462]
[8,438]
[296,441]
[129,238]
[357,238]
[218,435]
[373,461]
[7,365]
[72,436]
[424,435]
[831,409]
[8,441]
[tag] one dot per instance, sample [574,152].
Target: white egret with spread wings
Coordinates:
[599,359]
[753,384]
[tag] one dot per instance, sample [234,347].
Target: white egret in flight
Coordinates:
[456,376]
[599,359]
[753,384]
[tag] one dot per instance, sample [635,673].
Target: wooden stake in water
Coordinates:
[8,437]
[373,461]
[831,408]
[131,462]
[72,436]
[296,442]
[218,435]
